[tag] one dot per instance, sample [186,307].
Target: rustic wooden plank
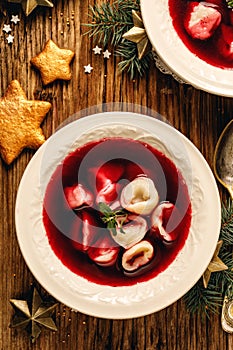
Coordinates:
[198,115]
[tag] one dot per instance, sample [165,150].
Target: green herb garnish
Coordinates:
[113,219]
[230,3]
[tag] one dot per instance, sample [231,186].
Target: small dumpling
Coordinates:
[131,232]
[140,196]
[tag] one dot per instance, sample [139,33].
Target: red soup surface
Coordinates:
[217,50]
[126,159]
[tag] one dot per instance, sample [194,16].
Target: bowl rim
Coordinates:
[186,65]
[111,308]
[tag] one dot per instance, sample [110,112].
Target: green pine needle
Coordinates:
[205,300]
[226,233]
[130,61]
[108,24]
[110,21]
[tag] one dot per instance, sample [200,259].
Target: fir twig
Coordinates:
[108,24]
[130,61]
[110,21]
[203,300]
[222,279]
[206,300]
[226,233]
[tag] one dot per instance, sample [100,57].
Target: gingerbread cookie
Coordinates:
[53,63]
[20,121]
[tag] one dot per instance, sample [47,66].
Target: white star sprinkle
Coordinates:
[10,39]
[15,19]
[88,68]
[6,28]
[106,54]
[97,50]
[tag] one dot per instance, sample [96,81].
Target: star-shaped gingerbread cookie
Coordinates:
[20,121]
[53,63]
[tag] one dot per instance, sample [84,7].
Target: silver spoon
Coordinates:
[223,158]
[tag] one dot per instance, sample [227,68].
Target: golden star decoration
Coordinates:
[215,265]
[20,121]
[29,5]
[33,315]
[53,63]
[138,35]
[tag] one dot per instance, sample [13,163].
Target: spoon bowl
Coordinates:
[223,158]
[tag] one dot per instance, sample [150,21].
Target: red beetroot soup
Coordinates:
[126,160]
[216,50]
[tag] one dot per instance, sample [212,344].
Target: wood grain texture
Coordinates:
[199,115]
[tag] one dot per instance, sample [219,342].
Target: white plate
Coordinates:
[142,298]
[176,55]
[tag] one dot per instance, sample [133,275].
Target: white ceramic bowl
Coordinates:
[142,298]
[176,55]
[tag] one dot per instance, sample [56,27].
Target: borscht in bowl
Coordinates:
[117,215]
[206,28]
[193,41]
[117,211]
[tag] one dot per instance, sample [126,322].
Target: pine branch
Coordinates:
[222,279]
[110,21]
[130,61]
[108,24]
[205,300]
[226,233]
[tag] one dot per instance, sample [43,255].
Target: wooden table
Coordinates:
[198,115]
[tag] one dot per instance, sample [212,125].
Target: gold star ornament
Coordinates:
[215,265]
[20,121]
[53,63]
[33,315]
[29,5]
[138,35]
